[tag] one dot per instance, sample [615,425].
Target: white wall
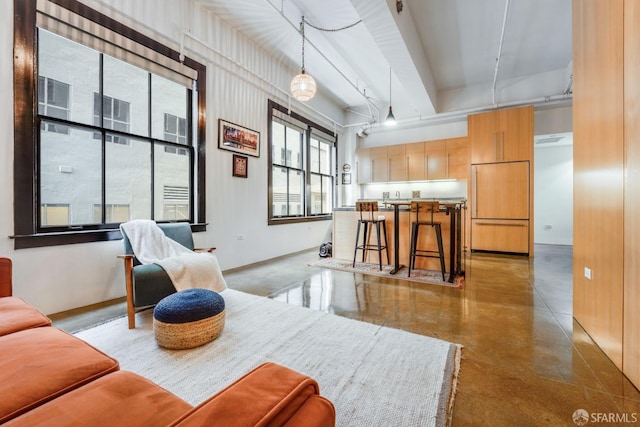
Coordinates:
[553,195]
[59,278]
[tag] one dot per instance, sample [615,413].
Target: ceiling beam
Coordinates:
[397,38]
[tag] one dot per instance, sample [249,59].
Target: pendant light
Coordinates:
[303,86]
[390,120]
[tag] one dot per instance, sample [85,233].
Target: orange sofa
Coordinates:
[49,377]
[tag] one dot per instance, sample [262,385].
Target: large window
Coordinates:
[116,156]
[302,165]
[100,148]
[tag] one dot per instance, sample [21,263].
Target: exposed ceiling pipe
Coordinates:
[460,114]
[495,72]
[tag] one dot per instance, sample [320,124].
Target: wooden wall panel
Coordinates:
[598,171]
[631,338]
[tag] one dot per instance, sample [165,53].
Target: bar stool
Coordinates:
[368,218]
[421,210]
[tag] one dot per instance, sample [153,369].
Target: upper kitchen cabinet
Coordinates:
[416,166]
[397,162]
[501,135]
[379,164]
[363,165]
[435,157]
[457,158]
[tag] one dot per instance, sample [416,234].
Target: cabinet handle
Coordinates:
[475,189]
[406,159]
[495,145]
[501,224]
[447,165]
[503,146]
[426,165]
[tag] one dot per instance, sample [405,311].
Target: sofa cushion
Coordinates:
[269,395]
[119,399]
[16,315]
[39,364]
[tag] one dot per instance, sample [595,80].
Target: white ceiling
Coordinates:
[441,55]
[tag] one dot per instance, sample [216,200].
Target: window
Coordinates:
[302,158]
[114,115]
[121,118]
[95,152]
[53,101]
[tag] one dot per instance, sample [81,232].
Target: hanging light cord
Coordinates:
[330,30]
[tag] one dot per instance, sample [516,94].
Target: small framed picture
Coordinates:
[346,178]
[240,164]
[239,139]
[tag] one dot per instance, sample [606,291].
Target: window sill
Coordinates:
[39,240]
[281,221]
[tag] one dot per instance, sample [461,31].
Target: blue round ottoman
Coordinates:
[188,319]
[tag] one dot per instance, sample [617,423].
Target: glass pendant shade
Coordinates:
[303,87]
[390,120]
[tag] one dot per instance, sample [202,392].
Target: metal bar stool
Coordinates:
[367,218]
[421,209]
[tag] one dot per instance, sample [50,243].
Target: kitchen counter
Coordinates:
[386,204]
[398,218]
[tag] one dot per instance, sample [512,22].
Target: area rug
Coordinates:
[417,275]
[374,375]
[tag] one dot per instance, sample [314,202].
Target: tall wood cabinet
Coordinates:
[606,147]
[501,152]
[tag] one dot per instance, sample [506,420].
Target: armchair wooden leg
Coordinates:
[128,275]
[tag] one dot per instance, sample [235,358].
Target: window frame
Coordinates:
[307,217]
[26,132]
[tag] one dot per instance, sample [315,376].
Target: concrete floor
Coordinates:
[525,361]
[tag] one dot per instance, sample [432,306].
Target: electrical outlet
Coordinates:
[587,273]
[548,226]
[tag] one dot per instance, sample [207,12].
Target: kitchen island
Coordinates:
[398,220]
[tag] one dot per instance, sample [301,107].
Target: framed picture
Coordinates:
[240,164]
[346,178]
[239,139]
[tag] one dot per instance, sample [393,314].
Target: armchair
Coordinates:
[147,284]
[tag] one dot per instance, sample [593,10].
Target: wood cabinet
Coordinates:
[511,201]
[397,162]
[501,135]
[363,165]
[457,158]
[418,161]
[501,157]
[416,166]
[379,164]
[501,235]
[435,157]
[500,207]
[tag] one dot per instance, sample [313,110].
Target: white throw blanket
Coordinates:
[186,269]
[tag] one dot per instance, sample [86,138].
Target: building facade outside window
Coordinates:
[137,162]
[53,101]
[302,168]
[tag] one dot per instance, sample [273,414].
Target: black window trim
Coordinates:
[272,105]
[25,75]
